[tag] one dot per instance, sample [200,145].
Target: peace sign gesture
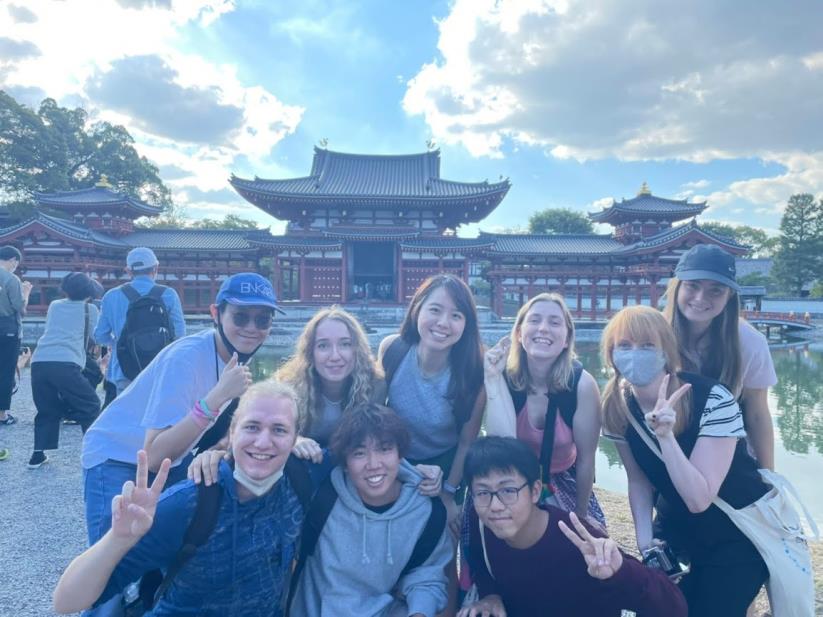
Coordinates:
[494,360]
[132,512]
[662,418]
[602,556]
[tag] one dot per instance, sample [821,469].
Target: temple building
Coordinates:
[366,228]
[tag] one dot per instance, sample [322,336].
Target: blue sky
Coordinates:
[576,102]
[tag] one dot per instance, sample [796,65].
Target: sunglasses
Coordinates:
[262,321]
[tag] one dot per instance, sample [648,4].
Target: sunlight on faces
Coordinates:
[506,520]
[248,337]
[439,323]
[544,333]
[702,300]
[263,434]
[372,467]
[333,354]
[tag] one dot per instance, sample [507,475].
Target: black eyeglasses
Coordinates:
[507,495]
[262,321]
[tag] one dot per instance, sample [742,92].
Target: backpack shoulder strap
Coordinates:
[393,356]
[429,539]
[200,528]
[567,399]
[300,480]
[131,293]
[157,292]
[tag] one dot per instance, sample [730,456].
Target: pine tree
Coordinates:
[799,258]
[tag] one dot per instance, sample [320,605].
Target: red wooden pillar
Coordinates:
[530,289]
[344,276]
[653,292]
[638,291]
[625,292]
[497,300]
[400,274]
[278,275]
[579,310]
[609,295]
[594,299]
[302,275]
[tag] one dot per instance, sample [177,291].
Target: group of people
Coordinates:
[344,483]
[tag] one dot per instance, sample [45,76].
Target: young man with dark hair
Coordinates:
[365,558]
[528,561]
[14,296]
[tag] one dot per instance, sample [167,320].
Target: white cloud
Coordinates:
[633,79]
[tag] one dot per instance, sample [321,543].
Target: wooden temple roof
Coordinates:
[675,233]
[66,229]
[98,198]
[646,204]
[338,178]
[191,239]
[551,244]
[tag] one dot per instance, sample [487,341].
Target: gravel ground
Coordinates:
[43,524]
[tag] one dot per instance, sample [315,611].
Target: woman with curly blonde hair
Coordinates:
[332,370]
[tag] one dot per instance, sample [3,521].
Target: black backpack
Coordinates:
[147,329]
[205,518]
[318,513]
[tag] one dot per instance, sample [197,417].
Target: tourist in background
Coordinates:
[537,391]
[680,436]
[58,385]
[142,264]
[14,296]
[434,373]
[333,370]
[703,307]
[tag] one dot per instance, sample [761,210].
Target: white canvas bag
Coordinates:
[774,527]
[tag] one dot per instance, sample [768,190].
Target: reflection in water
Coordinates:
[796,403]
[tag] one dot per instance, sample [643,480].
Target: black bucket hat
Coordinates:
[708,261]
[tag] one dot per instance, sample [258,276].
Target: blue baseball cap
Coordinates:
[707,261]
[248,289]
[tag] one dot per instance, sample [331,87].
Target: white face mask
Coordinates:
[639,366]
[258,488]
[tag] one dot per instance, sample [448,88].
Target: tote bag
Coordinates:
[773,525]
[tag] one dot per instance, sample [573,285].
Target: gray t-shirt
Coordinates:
[324,423]
[422,402]
[11,298]
[62,340]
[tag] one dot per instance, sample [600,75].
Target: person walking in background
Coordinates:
[57,381]
[142,265]
[703,308]
[14,296]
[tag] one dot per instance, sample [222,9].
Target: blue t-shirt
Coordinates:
[159,397]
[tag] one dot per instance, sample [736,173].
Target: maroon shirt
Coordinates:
[550,578]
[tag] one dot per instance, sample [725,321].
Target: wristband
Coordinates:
[205,409]
[199,418]
[450,488]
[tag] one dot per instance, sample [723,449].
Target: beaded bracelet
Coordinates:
[201,414]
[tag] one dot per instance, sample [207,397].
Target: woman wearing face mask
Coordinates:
[244,566]
[435,378]
[333,371]
[540,394]
[703,309]
[698,428]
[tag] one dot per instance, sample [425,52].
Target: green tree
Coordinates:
[57,149]
[230,221]
[559,221]
[798,259]
[761,243]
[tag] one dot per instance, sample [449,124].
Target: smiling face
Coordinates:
[372,467]
[440,324]
[544,333]
[263,435]
[702,300]
[506,521]
[243,325]
[333,352]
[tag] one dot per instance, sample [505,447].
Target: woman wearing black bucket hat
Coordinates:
[703,307]
[57,381]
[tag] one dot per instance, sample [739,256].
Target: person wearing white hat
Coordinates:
[142,264]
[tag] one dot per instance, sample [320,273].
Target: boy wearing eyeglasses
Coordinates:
[528,560]
[182,399]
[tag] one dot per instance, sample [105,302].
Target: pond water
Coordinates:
[796,403]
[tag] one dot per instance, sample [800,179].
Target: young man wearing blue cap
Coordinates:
[142,264]
[173,403]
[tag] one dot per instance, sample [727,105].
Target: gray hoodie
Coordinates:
[360,555]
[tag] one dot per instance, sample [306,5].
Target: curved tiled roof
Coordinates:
[646,203]
[337,174]
[96,197]
[67,228]
[447,243]
[677,232]
[294,242]
[195,239]
[374,233]
[555,244]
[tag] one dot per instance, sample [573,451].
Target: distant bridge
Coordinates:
[788,321]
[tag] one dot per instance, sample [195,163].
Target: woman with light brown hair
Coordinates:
[539,393]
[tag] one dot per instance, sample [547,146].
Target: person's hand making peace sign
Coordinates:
[602,556]
[132,512]
[662,418]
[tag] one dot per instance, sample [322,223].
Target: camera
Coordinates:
[662,557]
